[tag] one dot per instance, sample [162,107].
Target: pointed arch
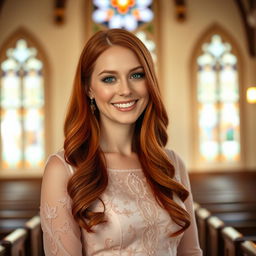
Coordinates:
[24,77]
[32,41]
[216,107]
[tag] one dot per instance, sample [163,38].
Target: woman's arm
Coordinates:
[189,245]
[60,231]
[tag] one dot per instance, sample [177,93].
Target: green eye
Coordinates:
[108,79]
[138,75]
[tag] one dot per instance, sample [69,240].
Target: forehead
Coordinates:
[117,58]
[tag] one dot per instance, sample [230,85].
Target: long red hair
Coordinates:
[82,134]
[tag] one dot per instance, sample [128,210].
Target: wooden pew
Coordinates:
[234,217]
[2,251]
[228,195]
[248,248]
[215,245]
[232,241]
[210,225]
[230,207]
[9,225]
[19,198]
[15,243]
[202,215]
[225,191]
[35,239]
[19,201]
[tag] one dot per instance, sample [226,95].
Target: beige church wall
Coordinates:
[178,41]
[63,44]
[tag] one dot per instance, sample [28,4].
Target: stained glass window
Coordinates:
[22,108]
[137,16]
[218,102]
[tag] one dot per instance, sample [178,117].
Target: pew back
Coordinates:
[15,243]
[248,248]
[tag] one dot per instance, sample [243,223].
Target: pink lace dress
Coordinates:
[137,225]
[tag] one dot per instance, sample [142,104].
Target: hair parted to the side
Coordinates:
[82,134]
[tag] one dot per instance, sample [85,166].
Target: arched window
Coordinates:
[217,100]
[22,138]
[137,16]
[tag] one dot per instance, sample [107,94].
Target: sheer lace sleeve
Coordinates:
[189,245]
[60,231]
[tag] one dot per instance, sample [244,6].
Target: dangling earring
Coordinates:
[92,105]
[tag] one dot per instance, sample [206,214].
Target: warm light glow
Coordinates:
[123,5]
[251,95]
[123,2]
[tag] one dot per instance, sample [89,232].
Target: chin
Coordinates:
[127,122]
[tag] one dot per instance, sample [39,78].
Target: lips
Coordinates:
[125,105]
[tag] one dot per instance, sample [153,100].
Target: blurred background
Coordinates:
[205,58]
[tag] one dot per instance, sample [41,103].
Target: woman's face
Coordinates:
[118,86]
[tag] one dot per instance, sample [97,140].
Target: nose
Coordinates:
[124,87]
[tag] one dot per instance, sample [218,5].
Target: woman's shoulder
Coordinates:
[179,166]
[56,163]
[175,158]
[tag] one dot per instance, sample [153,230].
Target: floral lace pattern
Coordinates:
[53,234]
[136,225]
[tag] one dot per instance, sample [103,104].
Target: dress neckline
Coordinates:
[125,170]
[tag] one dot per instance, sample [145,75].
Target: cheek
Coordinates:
[143,91]
[102,94]
[145,94]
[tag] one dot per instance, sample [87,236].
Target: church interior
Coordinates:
[205,60]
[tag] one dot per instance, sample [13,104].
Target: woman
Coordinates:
[115,189]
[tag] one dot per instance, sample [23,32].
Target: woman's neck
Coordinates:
[116,138]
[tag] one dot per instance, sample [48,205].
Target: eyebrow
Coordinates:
[114,72]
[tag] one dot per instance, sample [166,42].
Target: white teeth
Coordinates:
[124,105]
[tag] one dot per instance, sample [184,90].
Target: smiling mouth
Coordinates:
[125,105]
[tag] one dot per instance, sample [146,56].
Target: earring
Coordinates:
[92,105]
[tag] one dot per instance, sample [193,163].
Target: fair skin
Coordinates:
[120,91]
